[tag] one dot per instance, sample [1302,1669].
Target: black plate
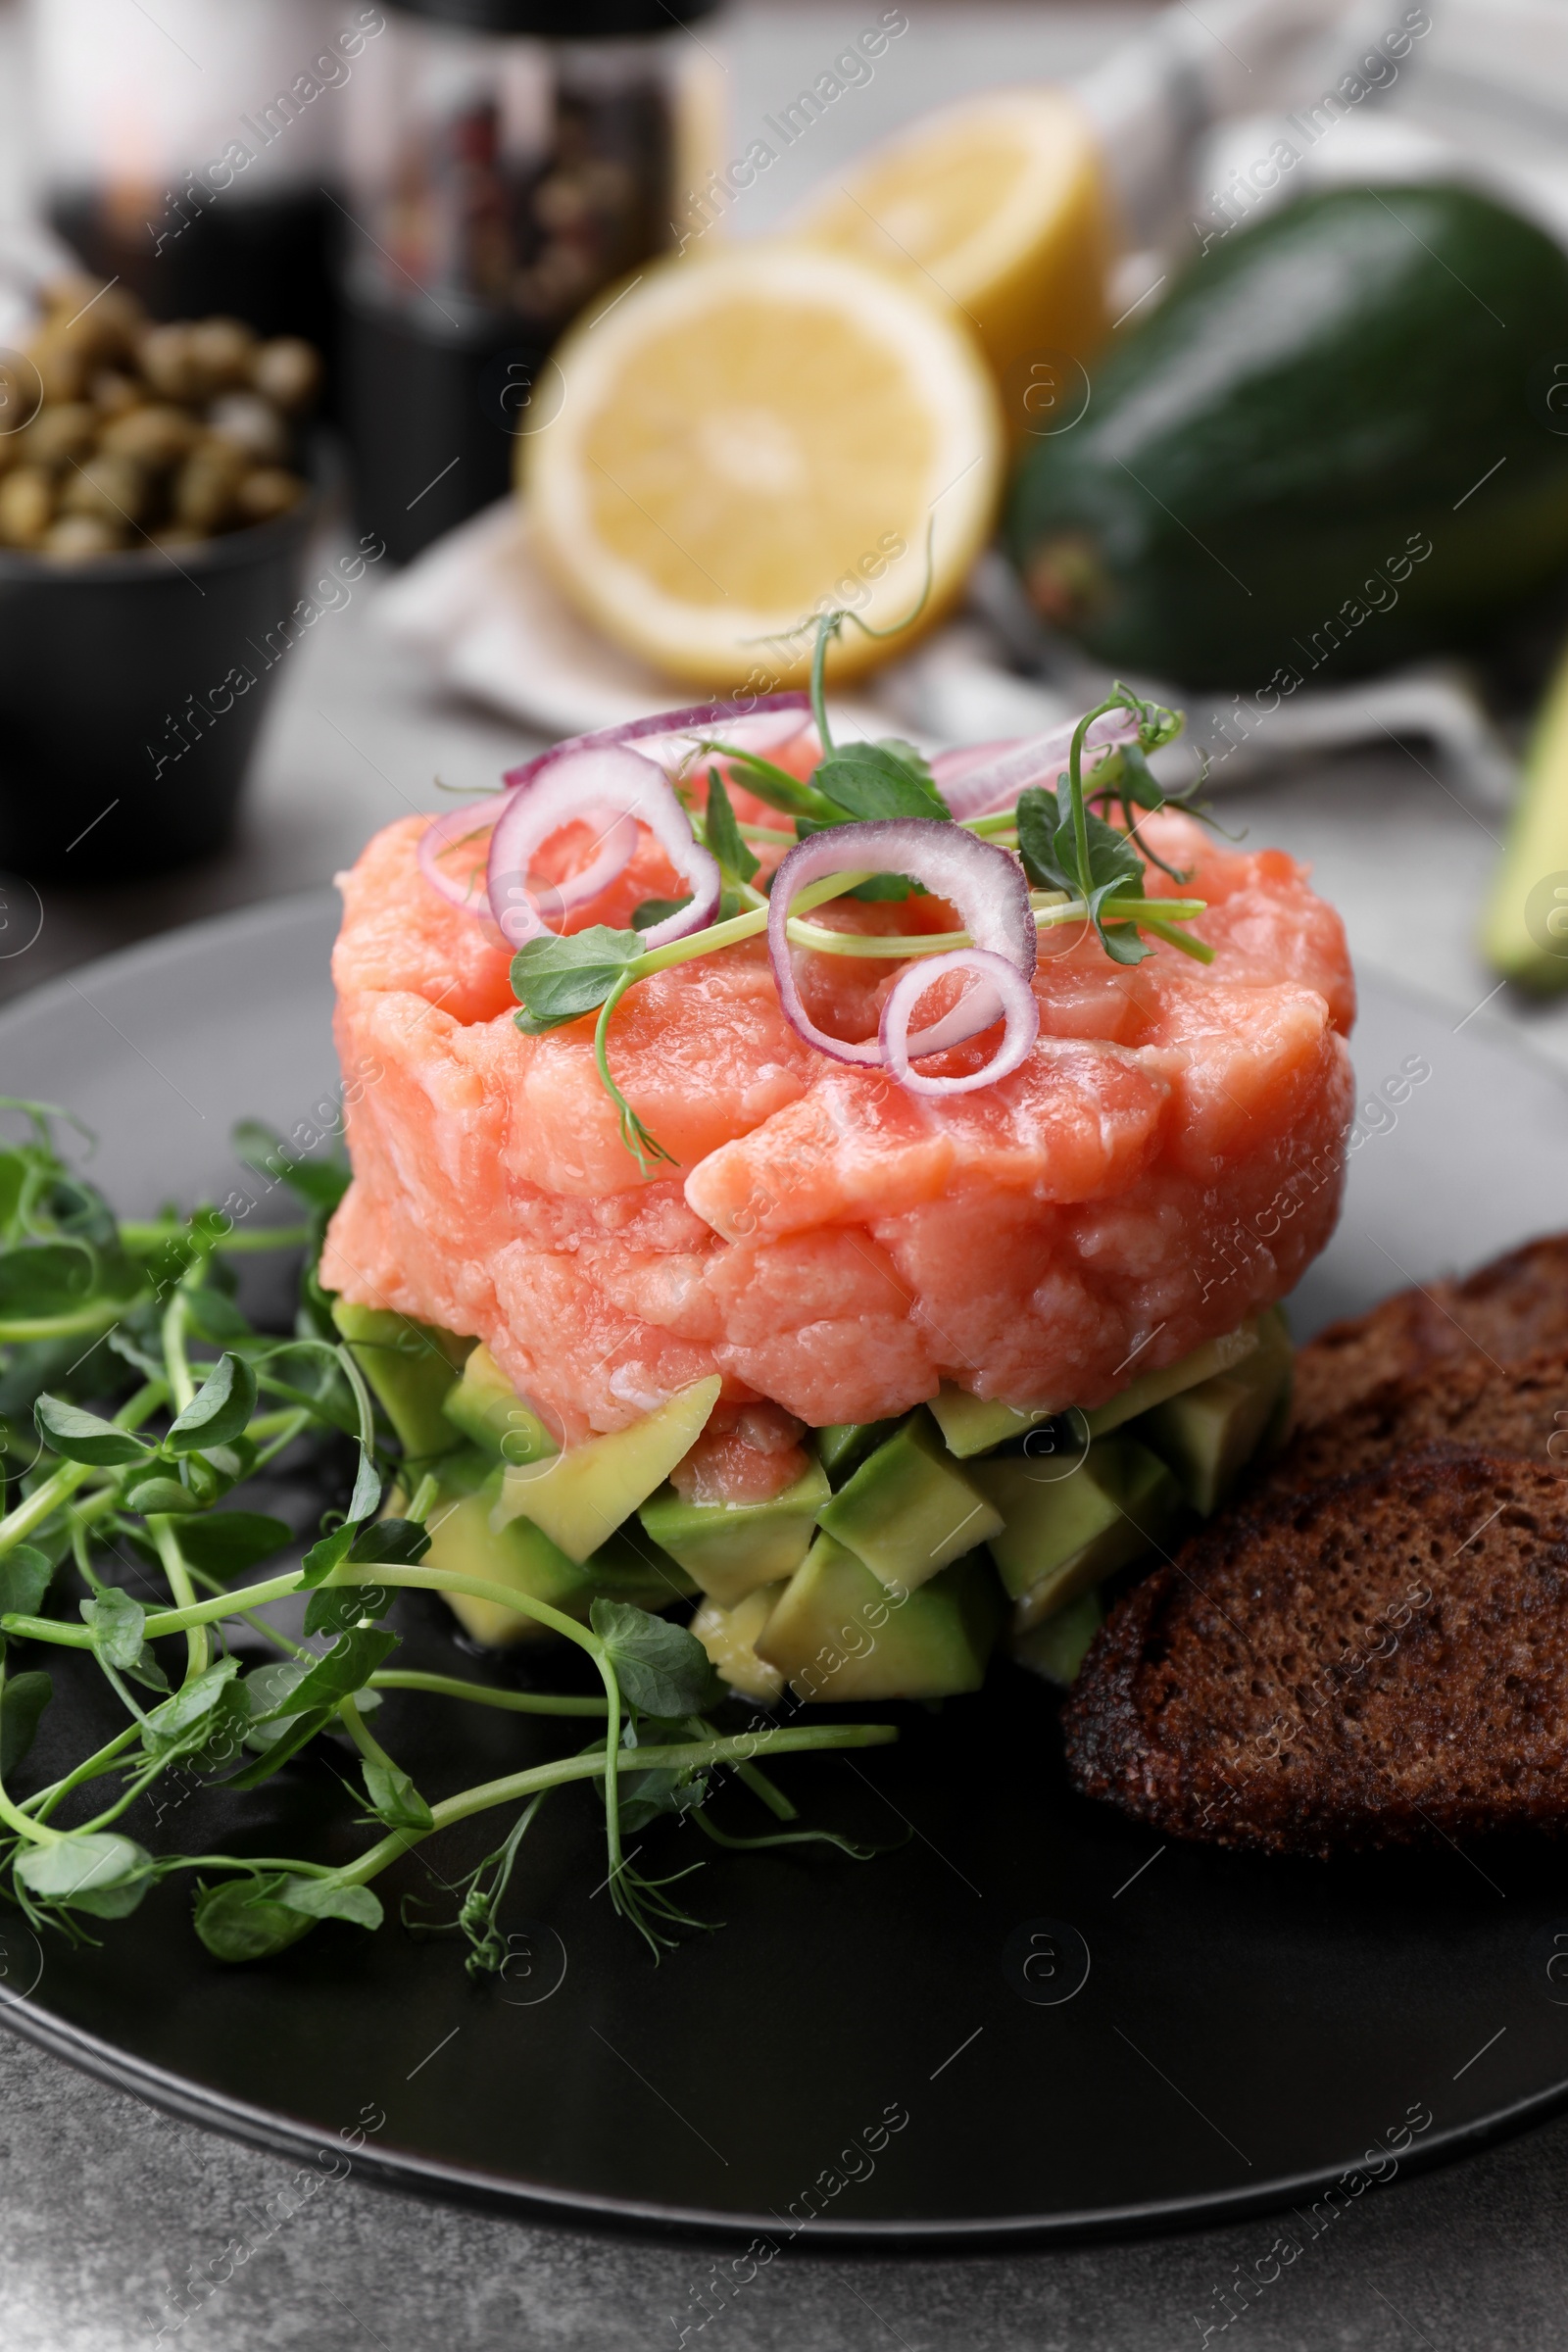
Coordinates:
[1032,2019]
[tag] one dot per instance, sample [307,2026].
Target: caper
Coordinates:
[58,433]
[62,366]
[112,488]
[113,393]
[26,506]
[119,452]
[287,370]
[155,436]
[168,363]
[221,352]
[76,537]
[202,493]
[252,423]
[267,492]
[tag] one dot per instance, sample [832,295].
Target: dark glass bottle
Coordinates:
[188,152]
[505,164]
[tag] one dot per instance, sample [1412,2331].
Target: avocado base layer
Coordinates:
[410,1369]
[837,1631]
[731,1548]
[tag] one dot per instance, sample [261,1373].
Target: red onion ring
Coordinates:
[972,791]
[985,884]
[1003,990]
[442,833]
[617,848]
[620,783]
[756,725]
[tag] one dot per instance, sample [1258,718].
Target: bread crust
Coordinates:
[1512,1307]
[1380,1661]
[1515,1408]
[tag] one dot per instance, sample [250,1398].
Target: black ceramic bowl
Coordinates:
[131,691]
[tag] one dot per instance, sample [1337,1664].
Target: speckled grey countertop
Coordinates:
[112,2210]
[111,2207]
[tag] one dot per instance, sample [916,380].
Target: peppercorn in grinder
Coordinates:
[506,161]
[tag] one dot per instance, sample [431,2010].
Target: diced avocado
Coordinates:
[908,1512]
[411,1366]
[1150,1389]
[844,1445]
[972,1425]
[464,1541]
[630,1566]
[488,1411]
[1055,1648]
[1209,1434]
[837,1631]
[1061,1535]
[732,1547]
[729,1636]
[579,1498]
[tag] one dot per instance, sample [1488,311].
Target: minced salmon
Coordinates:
[1165,1163]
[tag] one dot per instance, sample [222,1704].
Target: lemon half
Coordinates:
[1000,204]
[748,440]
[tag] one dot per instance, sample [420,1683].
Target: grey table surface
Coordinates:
[113,2210]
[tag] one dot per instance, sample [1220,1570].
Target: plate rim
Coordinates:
[411,2173]
[259,915]
[275,2133]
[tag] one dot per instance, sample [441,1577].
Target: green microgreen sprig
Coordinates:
[1083,867]
[128,1454]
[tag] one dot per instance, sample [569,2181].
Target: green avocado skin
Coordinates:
[1316,402]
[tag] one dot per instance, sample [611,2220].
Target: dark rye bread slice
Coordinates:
[1504,1311]
[1382,1660]
[1514,1408]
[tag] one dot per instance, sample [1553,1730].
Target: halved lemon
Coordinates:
[748,440]
[1000,204]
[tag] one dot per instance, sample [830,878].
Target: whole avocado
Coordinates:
[1332,448]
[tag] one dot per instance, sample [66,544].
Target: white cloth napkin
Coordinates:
[480,612]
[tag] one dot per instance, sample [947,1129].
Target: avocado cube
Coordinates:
[1056,1649]
[580,1497]
[464,1541]
[1208,1434]
[732,1547]
[463,1544]
[1062,1533]
[971,1425]
[906,1512]
[629,1566]
[837,1631]
[730,1635]
[1150,1389]
[843,1446]
[411,1367]
[490,1413]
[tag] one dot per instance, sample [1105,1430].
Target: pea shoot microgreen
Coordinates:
[1085,868]
[116,1457]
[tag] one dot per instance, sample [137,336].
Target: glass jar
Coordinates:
[498,175]
[188,150]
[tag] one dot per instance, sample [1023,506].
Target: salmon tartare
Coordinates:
[853,1123]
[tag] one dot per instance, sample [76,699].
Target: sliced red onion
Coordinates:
[1001,990]
[443,832]
[964,757]
[615,849]
[972,791]
[758,725]
[983,883]
[616,783]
